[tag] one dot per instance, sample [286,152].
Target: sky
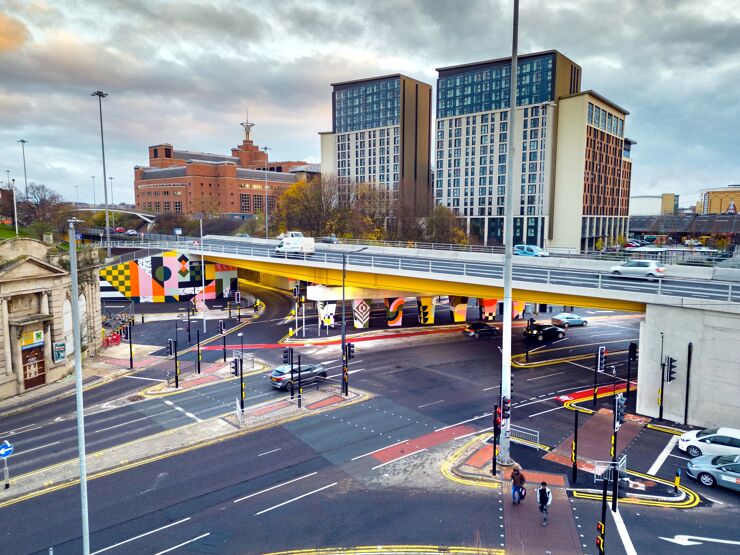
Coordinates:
[185,72]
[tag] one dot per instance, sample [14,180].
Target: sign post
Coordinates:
[6,449]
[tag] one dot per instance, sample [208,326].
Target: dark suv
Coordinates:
[480,329]
[543,331]
[280,377]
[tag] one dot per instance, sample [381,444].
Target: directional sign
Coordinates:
[6,449]
[78,236]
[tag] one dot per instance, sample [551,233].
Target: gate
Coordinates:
[34,373]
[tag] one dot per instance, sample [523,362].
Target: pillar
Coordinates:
[458,308]
[425,306]
[394,311]
[7,353]
[488,309]
[361,313]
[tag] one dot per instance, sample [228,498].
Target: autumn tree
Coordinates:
[443,226]
[308,205]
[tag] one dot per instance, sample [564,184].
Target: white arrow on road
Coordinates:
[696,540]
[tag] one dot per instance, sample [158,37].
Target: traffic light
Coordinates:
[620,408]
[221,327]
[286,356]
[601,361]
[297,290]
[600,538]
[633,352]
[497,422]
[170,350]
[671,367]
[350,351]
[505,408]
[234,366]
[124,333]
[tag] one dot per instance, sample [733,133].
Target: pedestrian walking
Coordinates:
[517,485]
[544,497]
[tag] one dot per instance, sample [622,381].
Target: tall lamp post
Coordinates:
[202,274]
[241,371]
[112,203]
[266,212]
[101,95]
[345,377]
[15,210]
[25,177]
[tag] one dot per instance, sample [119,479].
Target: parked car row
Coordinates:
[716,456]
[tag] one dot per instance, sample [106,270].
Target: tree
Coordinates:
[444,227]
[43,205]
[308,205]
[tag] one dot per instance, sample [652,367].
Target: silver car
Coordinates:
[650,269]
[713,470]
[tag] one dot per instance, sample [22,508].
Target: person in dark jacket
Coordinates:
[517,485]
[544,498]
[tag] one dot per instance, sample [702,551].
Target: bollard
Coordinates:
[677,480]
[290,332]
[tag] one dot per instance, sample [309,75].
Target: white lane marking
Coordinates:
[578,387]
[179,545]
[143,378]
[490,388]
[713,500]
[520,405]
[559,340]
[131,421]
[600,311]
[295,499]
[182,410]
[544,411]
[17,432]
[268,452]
[679,457]
[607,334]
[191,415]
[386,447]
[274,487]
[399,458]
[623,534]
[168,402]
[663,455]
[141,535]
[348,372]
[19,452]
[430,404]
[545,376]
[464,422]
[475,432]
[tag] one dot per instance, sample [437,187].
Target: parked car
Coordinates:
[710,441]
[119,229]
[132,232]
[712,470]
[331,239]
[567,319]
[243,235]
[480,329]
[541,332]
[280,376]
[529,250]
[650,269]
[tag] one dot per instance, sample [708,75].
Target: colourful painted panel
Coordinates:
[517,309]
[327,311]
[361,313]
[394,311]
[169,277]
[487,309]
[426,309]
[458,308]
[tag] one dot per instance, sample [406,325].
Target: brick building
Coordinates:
[188,182]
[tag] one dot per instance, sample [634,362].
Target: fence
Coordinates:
[605,469]
[526,435]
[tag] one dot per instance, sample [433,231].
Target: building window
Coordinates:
[166,206]
[244,202]
[168,153]
[155,153]
[178,207]
[157,207]
[257,201]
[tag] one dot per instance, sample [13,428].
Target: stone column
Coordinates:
[16,357]
[7,353]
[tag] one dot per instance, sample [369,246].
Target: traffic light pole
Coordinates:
[495,439]
[300,386]
[130,348]
[574,449]
[603,515]
[197,334]
[596,377]
[292,379]
[224,347]
[177,366]
[662,388]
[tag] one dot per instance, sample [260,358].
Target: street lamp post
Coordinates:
[241,370]
[15,210]
[112,203]
[345,370]
[101,95]
[265,210]
[25,177]
[202,274]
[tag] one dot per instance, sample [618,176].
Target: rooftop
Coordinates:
[600,97]
[497,61]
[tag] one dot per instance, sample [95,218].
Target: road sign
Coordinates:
[177,231]
[6,449]
[78,236]
[237,354]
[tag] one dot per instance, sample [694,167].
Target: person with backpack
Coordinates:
[518,491]
[544,497]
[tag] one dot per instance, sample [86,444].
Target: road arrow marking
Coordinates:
[696,540]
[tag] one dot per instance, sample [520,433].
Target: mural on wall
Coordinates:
[169,277]
[361,312]
[394,311]
[517,309]
[487,308]
[459,308]
[327,310]
[425,306]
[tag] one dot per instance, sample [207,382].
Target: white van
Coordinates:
[295,242]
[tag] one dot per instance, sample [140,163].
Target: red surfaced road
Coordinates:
[424,442]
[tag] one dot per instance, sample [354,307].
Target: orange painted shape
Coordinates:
[325,402]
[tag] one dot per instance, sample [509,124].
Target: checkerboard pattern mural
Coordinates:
[169,277]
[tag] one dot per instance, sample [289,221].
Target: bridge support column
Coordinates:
[394,311]
[458,308]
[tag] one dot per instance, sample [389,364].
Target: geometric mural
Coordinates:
[394,311]
[459,308]
[487,308]
[361,312]
[425,306]
[169,277]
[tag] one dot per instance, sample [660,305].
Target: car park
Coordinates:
[710,441]
[567,319]
[529,250]
[713,470]
[280,377]
[480,329]
[650,269]
[540,332]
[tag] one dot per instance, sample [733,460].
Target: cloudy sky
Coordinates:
[185,71]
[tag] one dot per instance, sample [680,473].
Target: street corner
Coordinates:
[470,464]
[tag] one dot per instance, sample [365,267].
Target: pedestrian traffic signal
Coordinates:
[620,408]
[170,350]
[124,333]
[633,352]
[670,363]
[350,351]
[286,355]
[234,366]
[221,327]
[497,422]
[601,359]
[505,408]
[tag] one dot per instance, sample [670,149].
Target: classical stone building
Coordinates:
[36,339]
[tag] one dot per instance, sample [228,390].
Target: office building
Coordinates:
[380,136]
[471,142]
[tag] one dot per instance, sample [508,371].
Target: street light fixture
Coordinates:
[265,210]
[345,376]
[113,204]
[101,95]
[15,210]
[25,177]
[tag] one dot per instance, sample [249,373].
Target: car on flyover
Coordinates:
[132,232]
[710,441]
[567,319]
[529,250]
[330,239]
[119,229]
[280,377]
[480,329]
[713,470]
[650,269]
[540,332]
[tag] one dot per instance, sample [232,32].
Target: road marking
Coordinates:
[607,334]
[17,430]
[386,447]
[490,388]
[143,378]
[179,545]
[398,459]
[559,341]
[19,452]
[464,422]
[663,455]
[131,421]
[182,410]
[141,536]
[520,405]
[623,534]
[275,487]
[713,500]
[268,452]
[430,404]
[295,499]
[679,457]
[476,432]
[544,411]
[681,539]
[545,376]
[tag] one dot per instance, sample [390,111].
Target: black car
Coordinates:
[543,331]
[280,376]
[480,329]
[331,239]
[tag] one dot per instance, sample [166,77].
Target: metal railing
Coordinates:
[605,469]
[528,436]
